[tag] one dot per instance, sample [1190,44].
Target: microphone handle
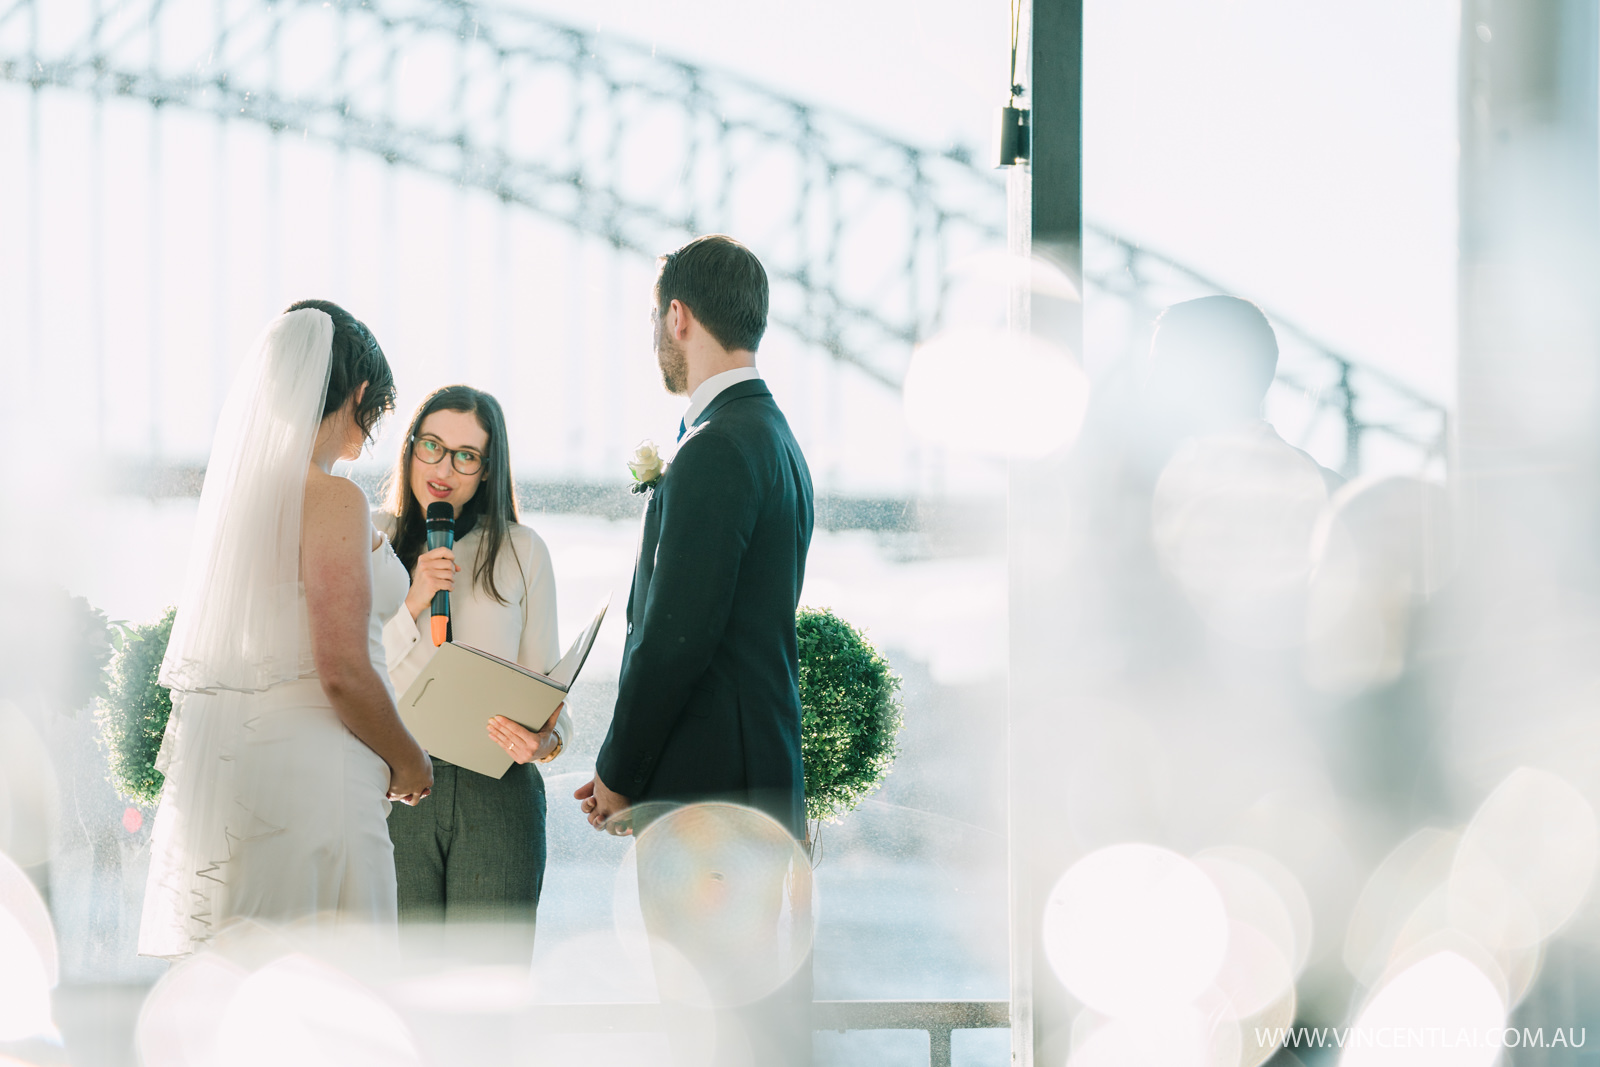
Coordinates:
[441,600]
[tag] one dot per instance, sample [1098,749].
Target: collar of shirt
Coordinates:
[713,385]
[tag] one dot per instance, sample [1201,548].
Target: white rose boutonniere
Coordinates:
[647,466]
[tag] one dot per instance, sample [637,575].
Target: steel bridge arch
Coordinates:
[611,139]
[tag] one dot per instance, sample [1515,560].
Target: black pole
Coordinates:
[1055,97]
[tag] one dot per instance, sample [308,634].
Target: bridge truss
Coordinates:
[613,140]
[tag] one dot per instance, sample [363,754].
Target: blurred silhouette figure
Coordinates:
[1211,363]
[1184,713]
[1384,554]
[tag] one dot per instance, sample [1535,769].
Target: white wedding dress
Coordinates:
[271,809]
[308,838]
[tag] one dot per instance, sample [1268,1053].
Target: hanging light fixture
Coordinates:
[1015,123]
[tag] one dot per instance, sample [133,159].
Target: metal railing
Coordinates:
[937,1018]
[102,1018]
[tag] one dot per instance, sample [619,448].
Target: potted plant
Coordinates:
[849,732]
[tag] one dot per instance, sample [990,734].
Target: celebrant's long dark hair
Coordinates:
[493,508]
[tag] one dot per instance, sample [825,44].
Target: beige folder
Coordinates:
[450,704]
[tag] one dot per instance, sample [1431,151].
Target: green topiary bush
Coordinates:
[852,714]
[848,735]
[133,716]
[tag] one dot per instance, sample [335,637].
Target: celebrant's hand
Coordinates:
[521,743]
[602,806]
[435,572]
[413,780]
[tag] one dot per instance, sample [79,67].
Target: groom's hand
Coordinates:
[601,805]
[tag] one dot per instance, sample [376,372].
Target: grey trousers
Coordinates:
[473,851]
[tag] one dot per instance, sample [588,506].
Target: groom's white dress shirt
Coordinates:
[703,396]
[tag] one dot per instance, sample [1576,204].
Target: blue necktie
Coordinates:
[682,429]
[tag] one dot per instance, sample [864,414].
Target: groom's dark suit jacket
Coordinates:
[708,703]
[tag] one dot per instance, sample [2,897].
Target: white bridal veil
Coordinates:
[237,630]
[238,623]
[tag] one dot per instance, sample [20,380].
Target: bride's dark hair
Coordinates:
[493,506]
[356,359]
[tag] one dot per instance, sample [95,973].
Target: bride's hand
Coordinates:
[410,784]
[435,572]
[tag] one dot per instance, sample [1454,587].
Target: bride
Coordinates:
[284,747]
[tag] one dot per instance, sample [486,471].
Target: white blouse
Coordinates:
[522,629]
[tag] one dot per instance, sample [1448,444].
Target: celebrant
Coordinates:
[477,851]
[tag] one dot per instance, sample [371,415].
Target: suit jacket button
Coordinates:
[630,627]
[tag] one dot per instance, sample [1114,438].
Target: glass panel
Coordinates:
[145,248]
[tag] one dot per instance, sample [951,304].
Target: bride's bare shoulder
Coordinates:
[335,503]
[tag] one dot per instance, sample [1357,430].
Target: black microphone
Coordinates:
[441,534]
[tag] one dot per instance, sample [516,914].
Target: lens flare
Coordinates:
[20,900]
[1383,547]
[1256,1031]
[995,393]
[29,795]
[1232,519]
[1176,1037]
[1254,975]
[299,1010]
[1133,929]
[1413,870]
[1261,892]
[29,965]
[601,967]
[1526,861]
[466,990]
[1429,929]
[597,969]
[999,267]
[1441,994]
[24,985]
[178,1024]
[729,891]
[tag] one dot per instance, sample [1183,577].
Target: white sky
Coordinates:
[1301,151]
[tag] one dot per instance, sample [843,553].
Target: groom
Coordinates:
[708,702]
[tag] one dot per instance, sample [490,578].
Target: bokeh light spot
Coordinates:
[299,1010]
[718,897]
[1442,994]
[1254,974]
[24,985]
[1175,1037]
[178,1024]
[1134,928]
[29,794]
[29,964]
[1415,869]
[995,393]
[1526,861]
[1258,890]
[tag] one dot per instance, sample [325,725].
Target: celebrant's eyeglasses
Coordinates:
[431,450]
